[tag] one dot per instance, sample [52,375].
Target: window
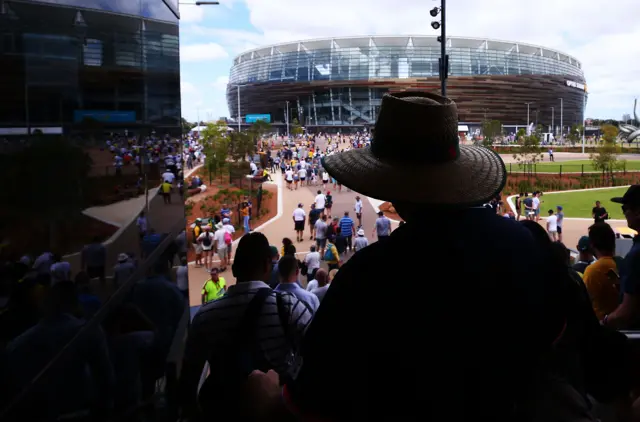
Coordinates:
[92,52]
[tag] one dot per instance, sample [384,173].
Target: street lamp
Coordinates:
[528,121]
[561,117]
[239,113]
[553,128]
[443,62]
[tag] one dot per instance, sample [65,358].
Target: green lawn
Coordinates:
[573,166]
[579,204]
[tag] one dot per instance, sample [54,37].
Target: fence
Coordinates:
[559,169]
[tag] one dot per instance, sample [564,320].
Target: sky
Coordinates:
[606,41]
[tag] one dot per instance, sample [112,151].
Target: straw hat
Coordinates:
[415,156]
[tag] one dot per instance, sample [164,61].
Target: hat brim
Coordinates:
[618,200]
[474,178]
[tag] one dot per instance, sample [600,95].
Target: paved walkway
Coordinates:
[282,226]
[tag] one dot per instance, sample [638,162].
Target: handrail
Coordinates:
[115,300]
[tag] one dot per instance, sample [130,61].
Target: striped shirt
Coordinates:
[346,226]
[214,326]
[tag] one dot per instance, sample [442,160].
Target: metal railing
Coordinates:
[552,168]
[10,413]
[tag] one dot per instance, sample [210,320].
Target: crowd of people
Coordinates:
[506,344]
[489,318]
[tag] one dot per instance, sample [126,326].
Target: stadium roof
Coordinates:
[406,41]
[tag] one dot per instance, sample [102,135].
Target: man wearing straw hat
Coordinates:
[457,337]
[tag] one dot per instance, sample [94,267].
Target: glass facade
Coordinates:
[83,60]
[83,225]
[379,59]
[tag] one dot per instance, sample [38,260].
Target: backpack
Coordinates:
[221,395]
[207,240]
[227,238]
[328,253]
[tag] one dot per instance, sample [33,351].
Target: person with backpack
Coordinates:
[206,241]
[331,254]
[196,231]
[328,203]
[249,328]
[223,240]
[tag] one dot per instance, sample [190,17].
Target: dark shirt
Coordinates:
[599,214]
[314,215]
[471,296]
[630,273]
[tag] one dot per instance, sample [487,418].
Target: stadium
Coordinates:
[338,83]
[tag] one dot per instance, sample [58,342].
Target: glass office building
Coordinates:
[340,82]
[66,61]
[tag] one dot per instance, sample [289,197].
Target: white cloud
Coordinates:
[187,87]
[607,47]
[189,13]
[220,83]
[202,52]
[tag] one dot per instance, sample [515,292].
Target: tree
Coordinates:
[216,147]
[605,158]
[529,152]
[575,133]
[491,131]
[258,129]
[241,145]
[296,129]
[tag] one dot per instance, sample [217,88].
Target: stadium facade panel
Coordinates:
[69,61]
[340,82]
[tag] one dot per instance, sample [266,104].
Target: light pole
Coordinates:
[443,62]
[561,117]
[528,120]
[584,106]
[238,86]
[553,128]
[287,117]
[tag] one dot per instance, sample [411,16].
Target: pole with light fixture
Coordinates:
[443,62]
[584,107]
[561,117]
[553,127]
[200,3]
[528,120]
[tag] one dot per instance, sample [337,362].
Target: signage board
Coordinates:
[577,85]
[252,118]
[105,116]
[10,131]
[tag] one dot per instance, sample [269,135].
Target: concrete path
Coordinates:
[282,226]
[121,213]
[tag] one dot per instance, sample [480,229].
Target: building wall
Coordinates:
[59,60]
[329,103]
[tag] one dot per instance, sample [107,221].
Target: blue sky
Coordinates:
[211,36]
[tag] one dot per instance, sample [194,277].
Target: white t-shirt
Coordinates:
[219,237]
[168,176]
[320,200]
[313,284]
[302,173]
[211,237]
[325,176]
[182,277]
[358,207]
[552,223]
[536,203]
[289,175]
[299,214]
[313,261]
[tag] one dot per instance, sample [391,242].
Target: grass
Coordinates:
[579,204]
[573,166]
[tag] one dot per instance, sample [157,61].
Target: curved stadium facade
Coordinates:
[339,82]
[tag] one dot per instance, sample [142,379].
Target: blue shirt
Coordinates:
[308,298]
[346,226]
